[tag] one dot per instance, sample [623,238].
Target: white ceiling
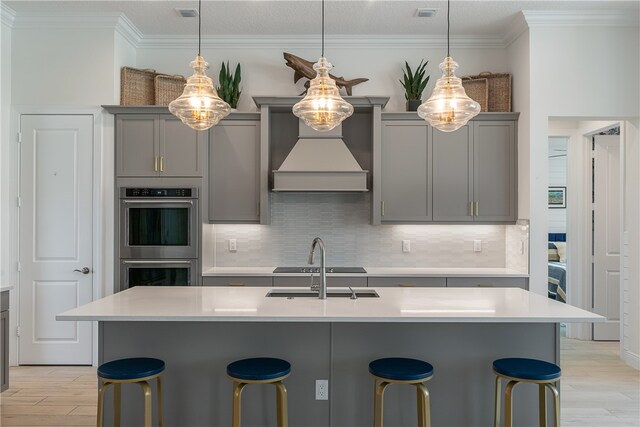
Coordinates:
[279,17]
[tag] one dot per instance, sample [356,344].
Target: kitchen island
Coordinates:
[199,330]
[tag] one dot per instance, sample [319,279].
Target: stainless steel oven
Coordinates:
[159,223]
[179,272]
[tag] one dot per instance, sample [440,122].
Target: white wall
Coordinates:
[264,71]
[557,178]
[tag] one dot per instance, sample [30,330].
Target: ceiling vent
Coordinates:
[187,13]
[424,12]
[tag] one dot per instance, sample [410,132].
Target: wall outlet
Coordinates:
[233,245]
[406,246]
[477,246]
[322,389]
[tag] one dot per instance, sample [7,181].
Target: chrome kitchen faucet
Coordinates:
[322,287]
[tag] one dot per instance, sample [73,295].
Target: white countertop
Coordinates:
[375,272]
[444,305]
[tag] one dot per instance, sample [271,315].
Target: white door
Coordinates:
[606,237]
[56,170]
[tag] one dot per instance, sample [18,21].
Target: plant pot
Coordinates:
[413,104]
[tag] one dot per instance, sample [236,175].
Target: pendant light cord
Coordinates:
[199,26]
[322,29]
[448,24]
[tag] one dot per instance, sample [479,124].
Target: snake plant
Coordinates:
[414,82]
[229,89]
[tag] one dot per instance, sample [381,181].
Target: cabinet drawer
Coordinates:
[417,282]
[4,300]
[487,282]
[236,281]
[305,281]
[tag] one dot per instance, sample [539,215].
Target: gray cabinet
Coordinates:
[237,281]
[234,172]
[149,145]
[406,172]
[305,281]
[407,282]
[487,282]
[4,340]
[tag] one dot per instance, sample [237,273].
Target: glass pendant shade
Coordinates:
[323,108]
[448,108]
[199,106]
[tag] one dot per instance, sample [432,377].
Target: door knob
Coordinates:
[85,270]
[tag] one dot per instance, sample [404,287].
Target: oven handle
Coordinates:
[190,202]
[158,262]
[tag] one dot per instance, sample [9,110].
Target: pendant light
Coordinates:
[449,108]
[323,108]
[199,106]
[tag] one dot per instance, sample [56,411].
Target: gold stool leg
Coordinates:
[496,407]
[424,407]
[117,404]
[237,395]
[508,403]
[281,397]
[556,403]
[542,405]
[160,402]
[102,388]
[147,402]
[378,414]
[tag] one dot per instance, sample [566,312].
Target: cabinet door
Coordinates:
[180,149]
[487,282]
[305,281]
[406,178]
[407,282]
[452,174]
[234,167]
[137,139]
[237,281]
[4,349]
[494,171]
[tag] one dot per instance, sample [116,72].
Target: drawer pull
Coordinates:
[235,284]
[407,285]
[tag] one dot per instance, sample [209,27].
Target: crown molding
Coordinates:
[581,18]
[7,15]
[128,30]
[517,28]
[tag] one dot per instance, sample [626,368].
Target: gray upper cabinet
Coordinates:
[234,172]
[453,174]
[151,145]
[406,172]
[494,171]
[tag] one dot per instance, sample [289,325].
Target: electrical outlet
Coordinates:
[322,389]
[477,246]
[233,245]
[406,246]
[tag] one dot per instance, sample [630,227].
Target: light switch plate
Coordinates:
[477,246]
[406,246]
[233,245]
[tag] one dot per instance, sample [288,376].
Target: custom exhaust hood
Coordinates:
[320,161]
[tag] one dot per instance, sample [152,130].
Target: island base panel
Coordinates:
[197,391]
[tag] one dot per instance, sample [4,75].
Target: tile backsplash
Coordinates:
[342,221]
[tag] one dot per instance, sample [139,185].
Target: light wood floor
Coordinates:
[598,390]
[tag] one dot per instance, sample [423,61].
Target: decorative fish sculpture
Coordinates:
[304,68]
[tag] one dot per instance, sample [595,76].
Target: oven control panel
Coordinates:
[159,192]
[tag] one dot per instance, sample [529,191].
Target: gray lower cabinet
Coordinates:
[406,172]
[157,145]
[408,282]
[237,281]
[305,281]
[4,341]
[487,282]
[234,172]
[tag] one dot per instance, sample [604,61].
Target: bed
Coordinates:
[557,270]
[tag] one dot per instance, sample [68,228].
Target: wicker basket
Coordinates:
[499,91]
[168,88]
[136,86]
[478,90]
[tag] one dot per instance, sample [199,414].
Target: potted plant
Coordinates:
[414,84]
[229,89]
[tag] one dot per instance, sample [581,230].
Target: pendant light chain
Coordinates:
[199,26]
[322,29]
[448,25]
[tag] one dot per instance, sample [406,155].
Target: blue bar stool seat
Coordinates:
[518,370]
[138,370]
[401,370]
[259,370]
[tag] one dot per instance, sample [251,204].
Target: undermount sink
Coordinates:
[331,293]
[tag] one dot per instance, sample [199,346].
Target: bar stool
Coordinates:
[138,370]
[259,370]
[518,370]
[400,370]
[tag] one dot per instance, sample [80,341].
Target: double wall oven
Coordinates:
[158,234]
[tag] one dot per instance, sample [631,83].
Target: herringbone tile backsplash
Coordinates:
[342,221]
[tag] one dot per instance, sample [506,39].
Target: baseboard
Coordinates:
[631,359]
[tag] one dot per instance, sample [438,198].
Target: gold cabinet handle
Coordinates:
[155,163]
[382,208]
[407,285]
[235,284]
[477,209]
[470,208]
[161,163]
